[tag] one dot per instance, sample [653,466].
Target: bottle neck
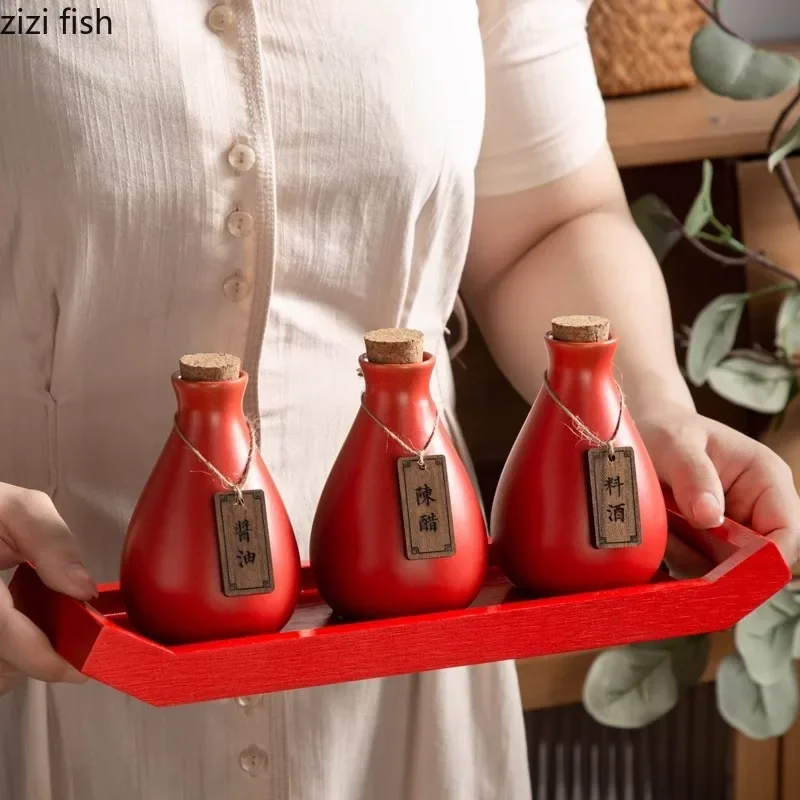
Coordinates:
[580,367]
[204,406]
[399,395]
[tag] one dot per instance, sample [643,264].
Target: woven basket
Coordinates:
[643,45]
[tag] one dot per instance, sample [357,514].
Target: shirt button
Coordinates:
[221,18]
[253,760]
[250,702]
[241,157]
[240,224]
[236,287]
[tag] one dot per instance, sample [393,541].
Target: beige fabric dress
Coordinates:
[269,178]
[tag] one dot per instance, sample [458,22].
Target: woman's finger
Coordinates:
[32,530]
[25,648]
[682,463]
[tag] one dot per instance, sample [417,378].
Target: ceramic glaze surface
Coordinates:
[170,574]
[541,523]
[357,541]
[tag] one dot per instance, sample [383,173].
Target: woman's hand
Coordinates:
[715,470]
[32,530]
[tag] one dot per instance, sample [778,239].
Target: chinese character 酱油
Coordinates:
[242,530]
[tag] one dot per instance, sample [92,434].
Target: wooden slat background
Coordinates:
[684,756]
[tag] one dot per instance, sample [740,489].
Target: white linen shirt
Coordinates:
[269,178]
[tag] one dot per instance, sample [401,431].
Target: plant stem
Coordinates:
[713,15]
[728,261]
[746,257]
[782,117]
[759,356]
[710,237]
[782,170]
[725,238]
[776,287]
[726,232]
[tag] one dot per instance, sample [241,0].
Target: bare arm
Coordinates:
[571,247]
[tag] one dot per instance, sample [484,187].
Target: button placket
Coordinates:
[240,224]
[257,720]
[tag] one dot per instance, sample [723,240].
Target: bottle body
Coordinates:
[358,548]
[541,517]
[170,573]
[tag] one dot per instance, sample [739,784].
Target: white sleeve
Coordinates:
[544,112]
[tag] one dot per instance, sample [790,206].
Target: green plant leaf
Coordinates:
[730,67]
[759,712]
[689,659]
[787,324]
[765,637]
[630,687]
[788,145]
[713,335]
[688,656]
[759,387]
[701,212]
[653,218]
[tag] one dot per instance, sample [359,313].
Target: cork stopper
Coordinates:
[580,328]
[394,346]
[210,367]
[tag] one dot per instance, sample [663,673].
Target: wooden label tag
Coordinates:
[614,498]
[425,504]
[244,551]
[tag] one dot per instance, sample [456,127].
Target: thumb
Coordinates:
[32,530]
[692,476]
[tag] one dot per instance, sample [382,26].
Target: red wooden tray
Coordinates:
[743,570]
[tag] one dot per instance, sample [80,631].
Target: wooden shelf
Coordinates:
[690,125]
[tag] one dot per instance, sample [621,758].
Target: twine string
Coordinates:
[580,427]
[420,454]
[234,486]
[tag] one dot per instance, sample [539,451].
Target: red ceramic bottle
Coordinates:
[359,553]
[541,518]
[171,571]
